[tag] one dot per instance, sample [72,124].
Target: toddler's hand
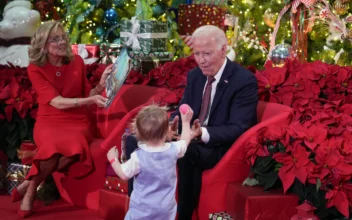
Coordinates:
[186,113]
[113,152]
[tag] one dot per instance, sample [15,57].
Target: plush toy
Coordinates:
[18,25]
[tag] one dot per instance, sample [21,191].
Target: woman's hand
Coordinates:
[99,100]
[105,75]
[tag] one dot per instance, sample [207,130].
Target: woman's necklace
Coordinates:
[58,71]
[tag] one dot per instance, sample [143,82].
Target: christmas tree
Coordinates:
[97,21]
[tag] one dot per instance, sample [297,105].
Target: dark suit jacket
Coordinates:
[233,109]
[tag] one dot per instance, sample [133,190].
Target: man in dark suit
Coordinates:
[224,97]
[221,115]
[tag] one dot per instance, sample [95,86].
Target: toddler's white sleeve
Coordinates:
[131,167]
[181,148]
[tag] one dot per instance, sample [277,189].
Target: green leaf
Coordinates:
[23,125]
[318,184]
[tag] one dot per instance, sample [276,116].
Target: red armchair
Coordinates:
[108,125]
[232,167]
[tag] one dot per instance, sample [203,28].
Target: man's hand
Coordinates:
[172,135]
[196,130]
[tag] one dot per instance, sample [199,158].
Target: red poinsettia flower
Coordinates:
[20,99]
[270,78]
[312,136]
[340,196]
[294,165]
[341,80]
[300,87]
[330,160]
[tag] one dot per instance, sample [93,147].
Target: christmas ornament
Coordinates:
[340,7]
[158,10]
[269,18]
[324,14]
[305,211]
[280,54]
[100,31]
[97,15]
[111,15]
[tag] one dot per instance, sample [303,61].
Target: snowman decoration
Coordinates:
[18,25]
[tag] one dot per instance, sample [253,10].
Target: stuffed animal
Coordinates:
[18,25]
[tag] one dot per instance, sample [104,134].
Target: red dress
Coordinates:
[66,131]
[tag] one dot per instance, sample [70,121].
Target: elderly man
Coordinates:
[224,97]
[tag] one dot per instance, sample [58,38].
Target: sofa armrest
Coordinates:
[230,167]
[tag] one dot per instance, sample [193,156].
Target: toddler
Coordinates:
[153,165]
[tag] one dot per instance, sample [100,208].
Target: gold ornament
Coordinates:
[269,18]
[86,38]
[85,5]
[98,15]
[313,35]
[340,7]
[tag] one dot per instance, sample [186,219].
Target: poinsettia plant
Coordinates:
[313,155]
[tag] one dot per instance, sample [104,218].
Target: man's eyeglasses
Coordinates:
[57,39]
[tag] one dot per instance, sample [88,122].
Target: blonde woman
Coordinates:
[61,132]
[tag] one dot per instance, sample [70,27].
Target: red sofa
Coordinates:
[108,125]
[232,167]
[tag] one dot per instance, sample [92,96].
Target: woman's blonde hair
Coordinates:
[151,123]
[37,53]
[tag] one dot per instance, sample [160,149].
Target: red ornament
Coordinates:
[305,211]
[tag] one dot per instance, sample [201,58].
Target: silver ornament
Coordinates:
[281,53]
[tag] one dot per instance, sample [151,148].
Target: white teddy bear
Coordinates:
[19,22]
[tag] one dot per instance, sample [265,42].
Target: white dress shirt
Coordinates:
[205,135]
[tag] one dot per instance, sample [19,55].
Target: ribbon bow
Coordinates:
[82,52]
[134,35]
[294,4]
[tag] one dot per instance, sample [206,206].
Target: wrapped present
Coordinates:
[249,203]
[113,205]
[190,17]
[220,216]
[90,53]
[109,52]
[15,175]
[143,61]
[26,152]
[114,183]
[144,35]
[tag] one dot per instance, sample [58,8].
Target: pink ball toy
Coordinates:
[184,108]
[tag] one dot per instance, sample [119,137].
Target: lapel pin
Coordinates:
[226,81]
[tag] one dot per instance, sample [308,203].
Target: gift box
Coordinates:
[109,52]
[249,203]
[26,152]
[220,216]
[90,53]
[190,17]
[115,183]
[15,175]
[144,35]
[113,205]
[143,61]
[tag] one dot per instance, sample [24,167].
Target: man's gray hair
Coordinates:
[211,31]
